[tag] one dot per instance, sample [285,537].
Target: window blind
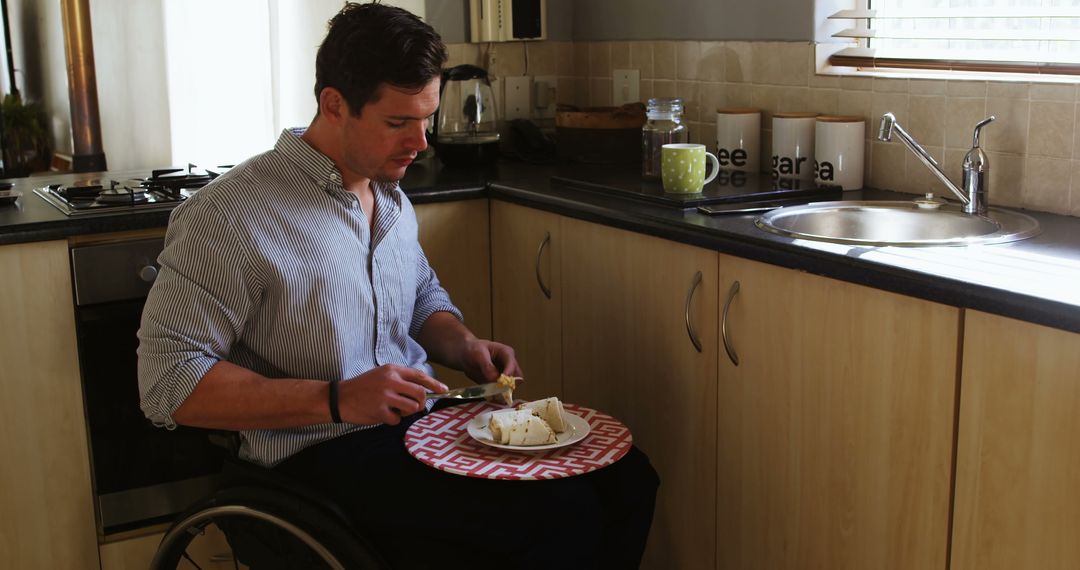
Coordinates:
[1022,36]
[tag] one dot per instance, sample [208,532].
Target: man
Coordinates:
[295,306]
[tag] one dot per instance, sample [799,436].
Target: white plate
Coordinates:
[576,430]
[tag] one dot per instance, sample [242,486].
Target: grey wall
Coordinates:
[451,19]
[693,20]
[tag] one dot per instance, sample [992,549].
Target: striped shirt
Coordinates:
[274,267]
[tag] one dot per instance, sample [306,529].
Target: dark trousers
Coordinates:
[419,517]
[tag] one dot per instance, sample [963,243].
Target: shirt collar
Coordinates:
[320,168]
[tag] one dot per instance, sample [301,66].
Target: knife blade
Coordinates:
[471,392]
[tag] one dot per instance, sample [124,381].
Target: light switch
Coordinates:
[518,96]
[626,86]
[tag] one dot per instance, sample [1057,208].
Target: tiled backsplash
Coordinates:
[1034,146]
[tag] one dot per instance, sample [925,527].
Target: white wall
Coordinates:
[41,72]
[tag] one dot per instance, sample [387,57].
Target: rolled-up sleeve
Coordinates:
[430,295]
[196,309]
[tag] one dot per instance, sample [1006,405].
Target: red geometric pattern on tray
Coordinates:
[442,441]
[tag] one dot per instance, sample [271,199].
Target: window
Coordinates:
[1017,36]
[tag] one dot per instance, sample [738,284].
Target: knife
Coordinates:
[471,392]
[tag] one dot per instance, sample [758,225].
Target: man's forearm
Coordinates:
[231,397]
[444,337]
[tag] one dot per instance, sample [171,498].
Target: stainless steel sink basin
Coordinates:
[915,223]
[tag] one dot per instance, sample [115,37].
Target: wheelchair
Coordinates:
[269,521]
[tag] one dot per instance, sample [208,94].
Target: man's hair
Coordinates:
[368,45]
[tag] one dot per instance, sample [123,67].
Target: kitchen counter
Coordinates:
[1036,280]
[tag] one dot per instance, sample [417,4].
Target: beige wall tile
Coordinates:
[1006,178]
[1007,90]
[1074,193]
[794,100]
[887,165]
[823,101]
[793,69]
[739,95]
[926,119]
[1076,132]
[819,81]
[600,60]
[1052,92]
[965,88]
[952,166]
[646,90]
[687,58]
[689,92]
[1009,131]
[895,103]
[565,59]
[765,60]
[599,91]
[886,85]
[565,91]
[664,88]
[961,116]
[581,91]
[713,58]
[541,58]
[926,87]
[766,98]
[713,96]
[509,59]
[766,151]
[641,58]
[581,59]
[857,103]
[856,83]
[739,62]
[1051,131]
[918,179]
[700,134]
[664,60]
[1046,184]
[454,54]
[620,55]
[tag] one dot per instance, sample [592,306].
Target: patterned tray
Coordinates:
[441,440]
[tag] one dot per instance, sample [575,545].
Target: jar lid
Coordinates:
[664,107]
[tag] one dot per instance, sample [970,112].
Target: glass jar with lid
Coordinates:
[663,126]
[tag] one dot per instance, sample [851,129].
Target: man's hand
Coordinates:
[483,360]
[385,394]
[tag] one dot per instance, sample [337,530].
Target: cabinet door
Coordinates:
[208,551]
[836,427]
[627,351]
[454,236]
[1018,453]
[526,261]
[45,493]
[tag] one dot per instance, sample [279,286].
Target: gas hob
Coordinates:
[161,189]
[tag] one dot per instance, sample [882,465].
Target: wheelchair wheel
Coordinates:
[267,529]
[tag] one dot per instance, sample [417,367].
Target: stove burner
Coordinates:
[123,195]
[163,189]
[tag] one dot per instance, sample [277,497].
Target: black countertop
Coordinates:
[1036,280]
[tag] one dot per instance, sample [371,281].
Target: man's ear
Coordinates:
[332,105]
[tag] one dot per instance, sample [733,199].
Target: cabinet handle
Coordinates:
[539,253]
[689,297]
[723,324]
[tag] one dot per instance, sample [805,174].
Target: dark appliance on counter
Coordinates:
[465,131]
[141,474]
[162,189]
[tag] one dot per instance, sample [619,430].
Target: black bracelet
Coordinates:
[335,413]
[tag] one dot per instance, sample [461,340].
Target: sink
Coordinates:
[914,223]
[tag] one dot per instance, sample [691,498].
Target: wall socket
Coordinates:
[626,86]
[545,96]
[518,97]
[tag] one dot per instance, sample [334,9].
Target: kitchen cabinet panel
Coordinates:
[45,493]
[526,257]
[836,427]
[627,351]
[455,239]
[1018,453]
[209,551]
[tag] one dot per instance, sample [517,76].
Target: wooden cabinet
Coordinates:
[526,260]
[1018,452]
[455,239]
[836,427]
[627,302]
[45,495]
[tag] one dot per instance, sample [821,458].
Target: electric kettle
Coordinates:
[464,130]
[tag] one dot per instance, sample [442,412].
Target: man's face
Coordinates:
[385,138]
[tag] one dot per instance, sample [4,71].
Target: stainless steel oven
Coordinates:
[141,474]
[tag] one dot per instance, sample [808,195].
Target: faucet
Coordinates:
[976,165]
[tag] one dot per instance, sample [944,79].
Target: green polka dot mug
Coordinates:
[682,168]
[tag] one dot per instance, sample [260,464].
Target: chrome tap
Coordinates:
[976,166]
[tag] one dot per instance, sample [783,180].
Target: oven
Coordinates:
[141,474]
